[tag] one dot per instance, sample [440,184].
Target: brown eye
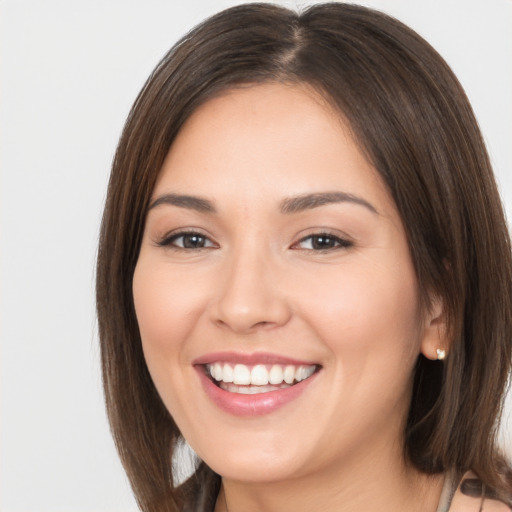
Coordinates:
[322,242]
[189,240]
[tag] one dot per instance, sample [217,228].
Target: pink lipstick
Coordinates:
[253,384]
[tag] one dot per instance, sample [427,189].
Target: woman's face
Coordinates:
[274,258]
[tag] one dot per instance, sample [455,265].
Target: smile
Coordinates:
[254,384]
[259,378]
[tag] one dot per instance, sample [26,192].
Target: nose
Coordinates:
[250,297]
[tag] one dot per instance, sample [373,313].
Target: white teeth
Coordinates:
[304,372]
[259,375]
[217,371]
[227,373]
[289,374]
[241,375]
[275,375]
[251,390]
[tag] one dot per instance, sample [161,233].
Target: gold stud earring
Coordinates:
[441,354]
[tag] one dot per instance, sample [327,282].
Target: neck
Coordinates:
[371,482]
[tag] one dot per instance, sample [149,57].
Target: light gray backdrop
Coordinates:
[70,70]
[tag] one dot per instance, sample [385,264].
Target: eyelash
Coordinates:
[170,240]
[333,242]
[338,242]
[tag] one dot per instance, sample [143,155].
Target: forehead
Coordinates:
[267,140]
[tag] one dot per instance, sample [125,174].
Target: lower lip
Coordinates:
[239,404]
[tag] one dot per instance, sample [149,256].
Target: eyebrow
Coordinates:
[288,206]
[199,204]
[309,201]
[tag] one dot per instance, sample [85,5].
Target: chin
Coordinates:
[251,470]
[256,458]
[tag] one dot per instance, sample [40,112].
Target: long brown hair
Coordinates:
[413,121]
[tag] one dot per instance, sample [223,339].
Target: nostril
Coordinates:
[261,324]
[240,326]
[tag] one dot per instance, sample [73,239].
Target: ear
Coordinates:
[435,342]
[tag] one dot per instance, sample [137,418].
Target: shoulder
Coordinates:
[471,495]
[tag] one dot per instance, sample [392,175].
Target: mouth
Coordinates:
[258,378]
[254,384]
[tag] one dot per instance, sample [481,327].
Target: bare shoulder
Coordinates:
[472,496]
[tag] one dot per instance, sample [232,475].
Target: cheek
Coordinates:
[167,306]
[368,310]
[368,319]
[166,311]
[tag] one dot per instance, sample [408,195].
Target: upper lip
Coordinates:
[249,359]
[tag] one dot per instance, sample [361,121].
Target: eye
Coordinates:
[187,240]
[322,242]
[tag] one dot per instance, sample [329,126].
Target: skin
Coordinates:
[261,286]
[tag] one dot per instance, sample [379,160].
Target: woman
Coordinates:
[305,272]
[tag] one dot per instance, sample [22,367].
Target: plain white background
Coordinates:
[69,73]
